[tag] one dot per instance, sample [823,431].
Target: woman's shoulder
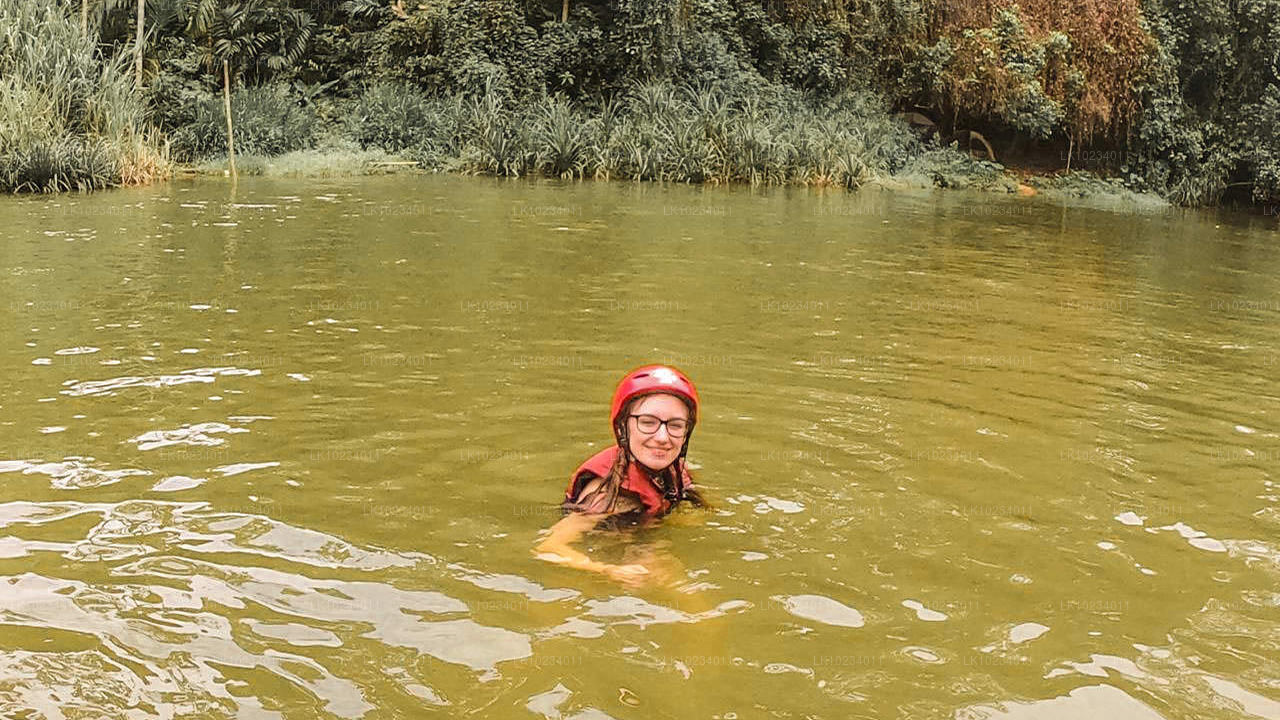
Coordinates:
[593,498]
[590,484]
[588,497]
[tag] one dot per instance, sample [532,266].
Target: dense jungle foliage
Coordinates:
[1175,97]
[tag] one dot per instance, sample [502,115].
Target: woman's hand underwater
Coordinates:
[633,575]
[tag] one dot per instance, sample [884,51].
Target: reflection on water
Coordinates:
[283,450]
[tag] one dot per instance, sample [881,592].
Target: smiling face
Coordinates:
[656,450]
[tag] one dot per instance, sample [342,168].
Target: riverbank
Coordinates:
[798,92]
[943,169]
[657,131]
[79,121]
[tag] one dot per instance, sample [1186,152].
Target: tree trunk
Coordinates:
[564,12]
[137,49]
[226,102]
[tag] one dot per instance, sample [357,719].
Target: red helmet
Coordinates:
[653,379]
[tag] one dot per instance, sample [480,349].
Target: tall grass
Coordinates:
[69,119]
[561,141]
[655,131]
[390,116]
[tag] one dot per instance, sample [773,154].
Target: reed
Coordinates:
[69,118]
[561,139]
[655,131]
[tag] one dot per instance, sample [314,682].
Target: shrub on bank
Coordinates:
[390,116]
[950,168]
[269,120]
[1211,103]
[655,131]
[712,132]
[69,119]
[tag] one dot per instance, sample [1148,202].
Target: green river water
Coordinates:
[283,450]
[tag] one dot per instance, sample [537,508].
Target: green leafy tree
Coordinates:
[251,36]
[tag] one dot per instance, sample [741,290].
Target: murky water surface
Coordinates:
[283,451]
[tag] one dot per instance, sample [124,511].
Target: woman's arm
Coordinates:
[557,548]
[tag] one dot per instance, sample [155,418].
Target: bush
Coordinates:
[561,139]
[178,88]
[1211,104]
[573,64]
[461,46]
[496,141]
[655,131]
[69,120]
[391,116]
[950,168]
[1046,67]
[59,164]
[269,120]
[660,131]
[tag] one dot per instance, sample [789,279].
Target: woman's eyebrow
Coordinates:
[673,417]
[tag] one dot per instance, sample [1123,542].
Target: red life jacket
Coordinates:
[636,482]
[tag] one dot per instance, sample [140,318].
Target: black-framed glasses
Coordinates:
[649,424]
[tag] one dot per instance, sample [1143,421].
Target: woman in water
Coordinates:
[640,478]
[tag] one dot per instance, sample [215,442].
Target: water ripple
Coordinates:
[110,386]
